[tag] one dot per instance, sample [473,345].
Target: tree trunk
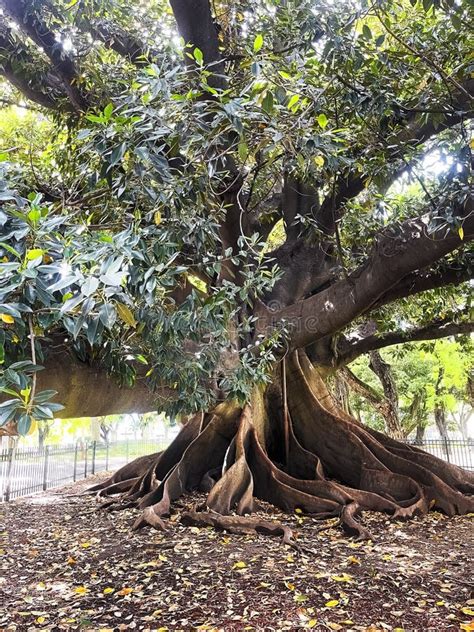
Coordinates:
[330,466]
[441,422]
[43,431]
[420,434]
[392,415]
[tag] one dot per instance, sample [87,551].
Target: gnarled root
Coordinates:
[240,525]
[332,467]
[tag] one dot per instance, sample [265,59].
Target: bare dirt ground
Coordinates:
[66,566]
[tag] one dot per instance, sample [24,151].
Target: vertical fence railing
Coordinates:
[25,471]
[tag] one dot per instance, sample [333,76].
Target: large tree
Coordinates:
[236,198]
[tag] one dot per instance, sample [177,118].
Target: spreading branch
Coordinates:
[349,351]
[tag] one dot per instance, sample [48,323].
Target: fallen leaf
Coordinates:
[240,565]
[81,590]
[332,603]
[125,591]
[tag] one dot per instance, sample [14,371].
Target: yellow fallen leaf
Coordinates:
[467,627]
[352,559]
[7,318]
[298,510]
[312,623]
[290,586]
[335,626]
[240,565]
[468,611]
[332,603]
[71,560]
[86,545]
[81,590]
[290,558]
[342,578]
[41,586]
[157,218]
[387,557]
[125,591]
[40,619]
[461,232]
[108,591]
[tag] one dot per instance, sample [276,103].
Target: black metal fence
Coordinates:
[25,471]
[457,451]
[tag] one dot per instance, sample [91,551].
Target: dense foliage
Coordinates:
[146,210]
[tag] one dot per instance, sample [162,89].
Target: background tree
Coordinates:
[427,377]
[186,137]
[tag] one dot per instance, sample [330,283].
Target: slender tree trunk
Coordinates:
[331,465]
[420,434]
[384,372]
[441,421]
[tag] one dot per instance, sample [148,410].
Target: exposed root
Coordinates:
[330,467]
[239,525]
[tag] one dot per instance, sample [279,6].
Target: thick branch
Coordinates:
[197,28]
[14,62]
[353,350]
[399,251]
[37,30]
[425,280]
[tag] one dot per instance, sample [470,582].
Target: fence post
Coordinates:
[11,454]
[45,468]
[107,456]
[446,445]
[85,460]
[94,446]
[74,474]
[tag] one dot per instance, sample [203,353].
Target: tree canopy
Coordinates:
[189,192]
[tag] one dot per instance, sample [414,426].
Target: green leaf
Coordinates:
[322,120]
[293,101]
[108,315]
[10,249]
[258,43]
[267,103]
[366,32]
[34,253]
[24,424]
[243,151]
[198,56]
[108,111]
